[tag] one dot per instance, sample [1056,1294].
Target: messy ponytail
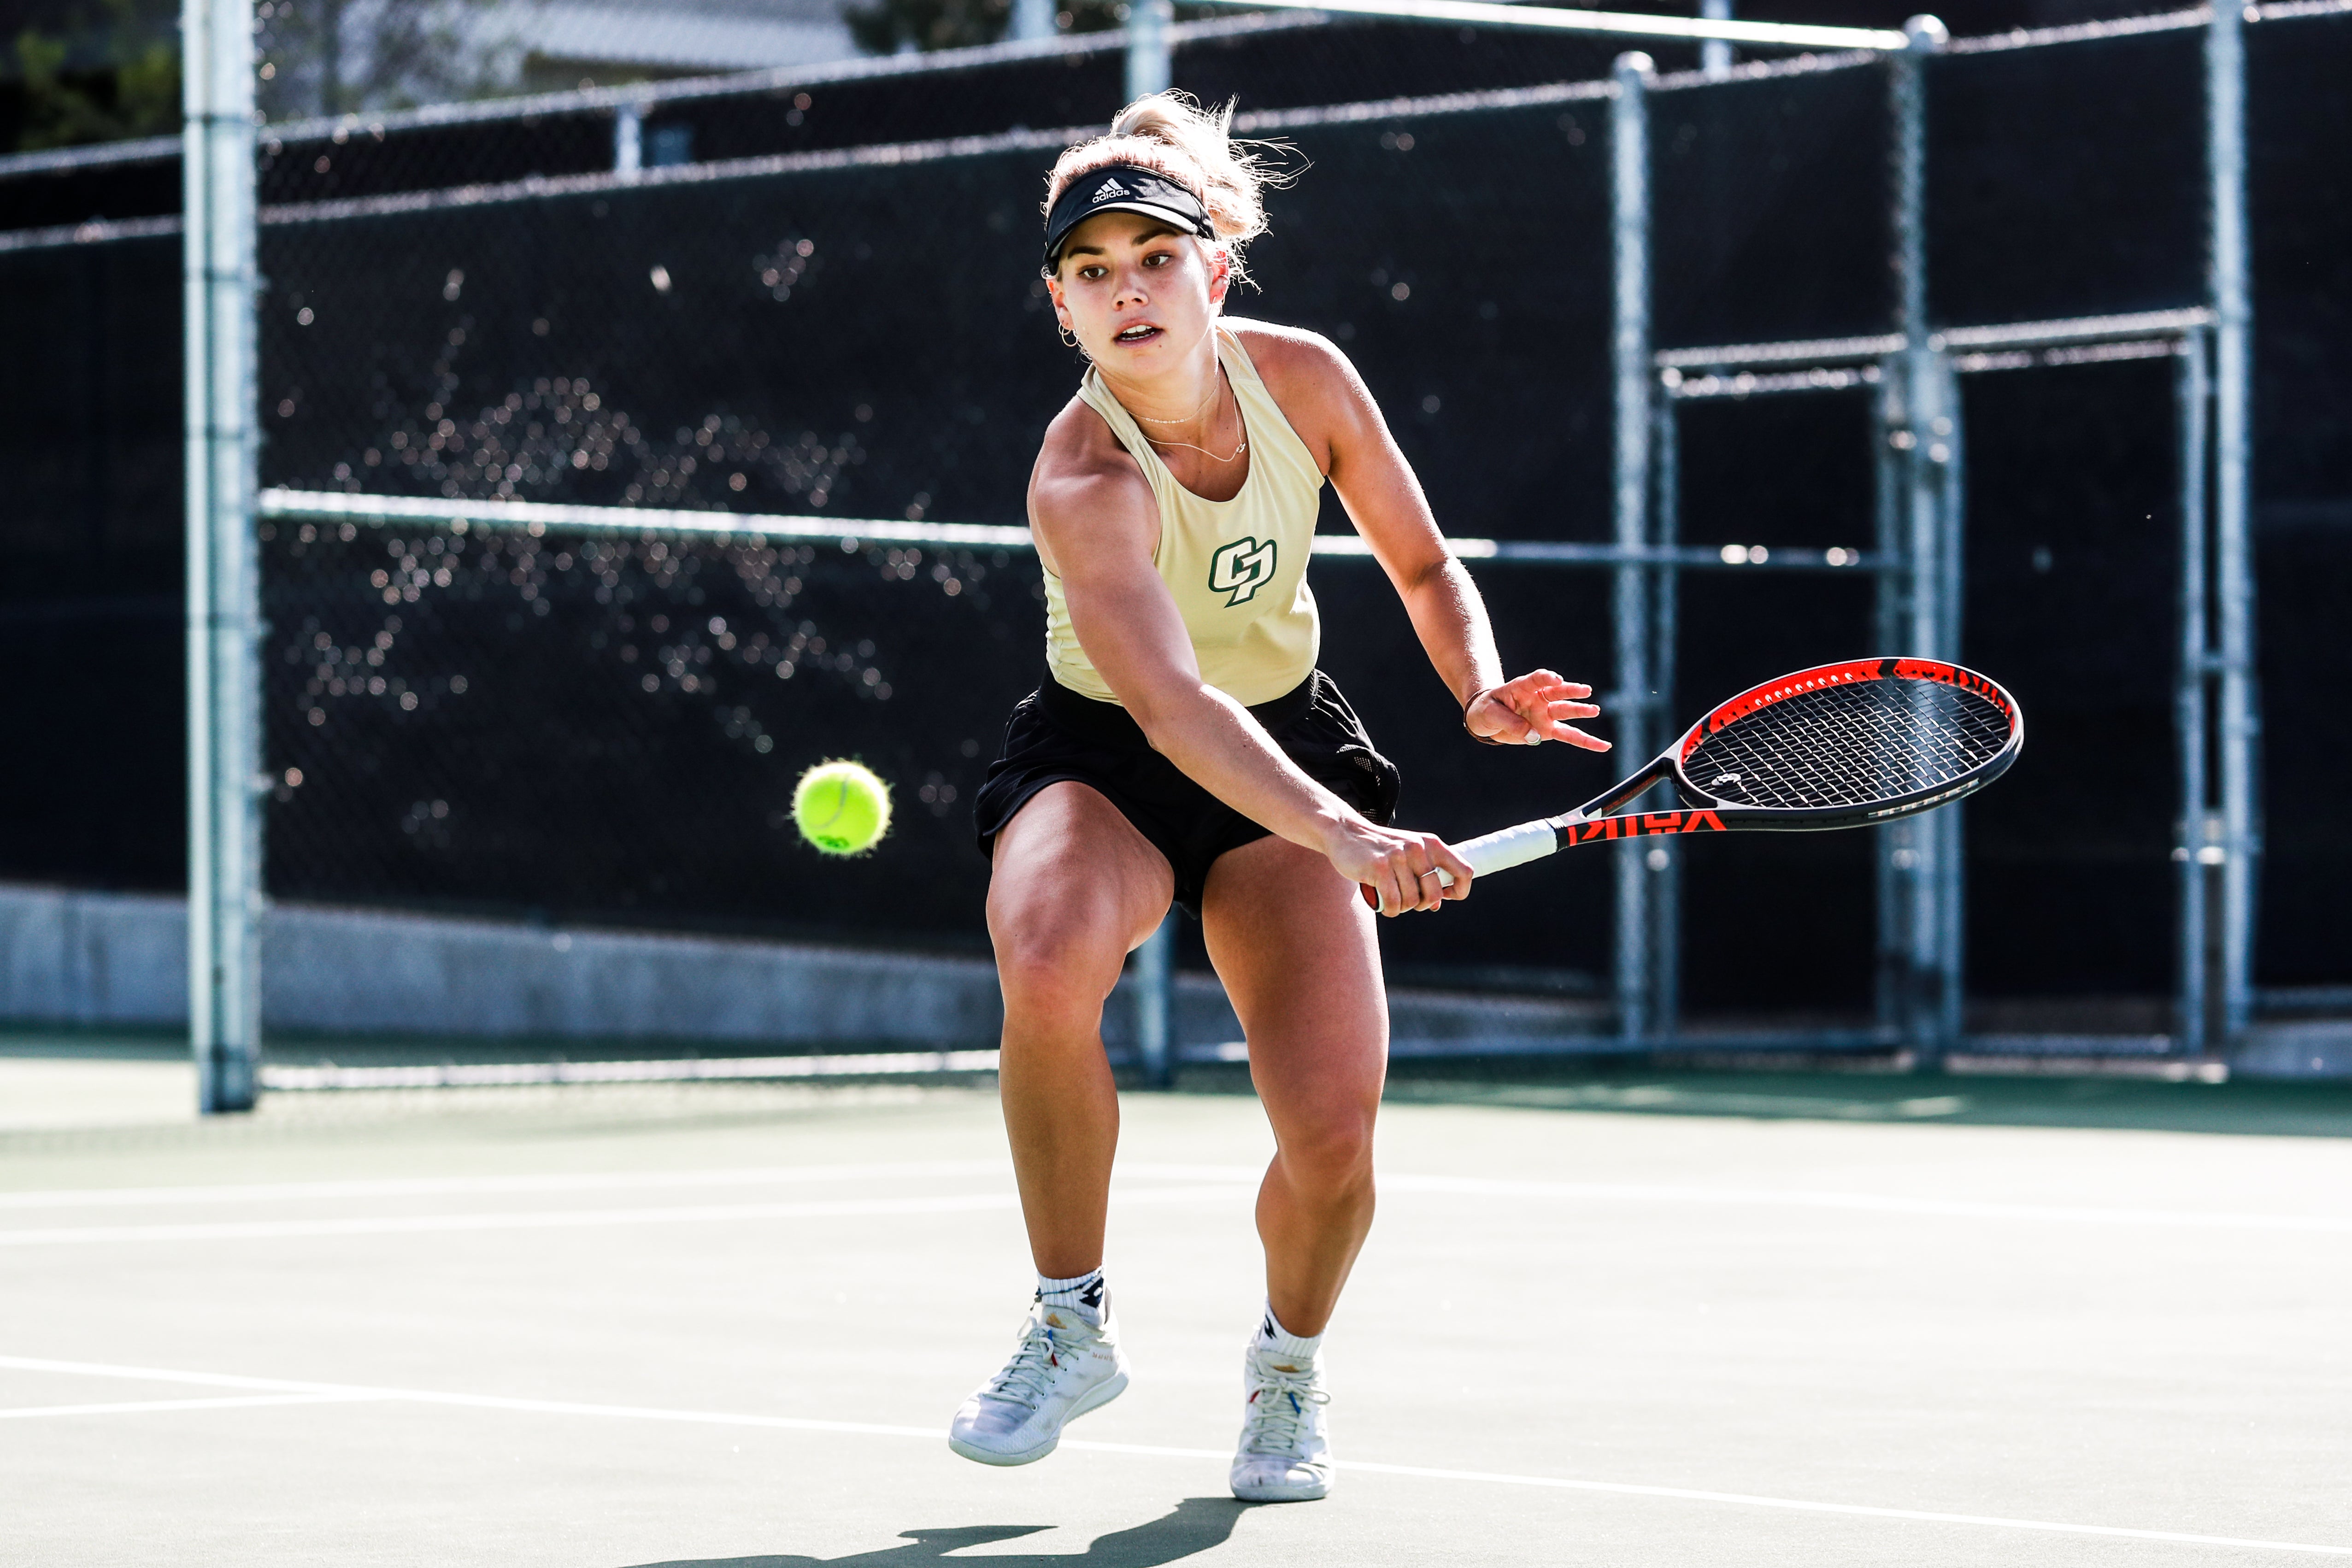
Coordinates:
[1170,133]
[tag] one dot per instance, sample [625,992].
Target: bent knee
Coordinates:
[1331,1158]
[1054,965]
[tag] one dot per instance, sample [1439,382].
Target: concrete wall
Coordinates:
[109,959]
[94,959]
[104,960]
[118,961]
[2320,1049]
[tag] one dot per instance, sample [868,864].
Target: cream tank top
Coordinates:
[1237,568]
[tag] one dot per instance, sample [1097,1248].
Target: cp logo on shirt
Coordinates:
[1240,569]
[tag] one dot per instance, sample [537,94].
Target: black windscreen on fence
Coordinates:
[1771,209]
[91,606]
[896,317]
[2068,181]
[826,340]
[2300,125]
[866,341]
[2071,572]
[889,320]
[607,729]
[55,195]
[1791,470]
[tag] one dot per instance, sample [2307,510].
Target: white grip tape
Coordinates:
[1513,846]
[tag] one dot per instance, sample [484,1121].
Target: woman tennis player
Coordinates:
[1184,747]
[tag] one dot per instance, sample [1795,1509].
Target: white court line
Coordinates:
[1946,1208]
[1787,1198]
[565,1219]
[1798,1505]
[340,1391]
[149,1407]
[755,1175]
[475,1186]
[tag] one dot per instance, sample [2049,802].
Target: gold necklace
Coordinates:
[1216,386]
[1203,451]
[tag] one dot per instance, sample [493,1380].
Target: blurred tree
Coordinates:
[99,77]
[889,25]
[78,71]
[340,56]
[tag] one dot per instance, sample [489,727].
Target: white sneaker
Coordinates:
[1284,1454]
[1063,1367]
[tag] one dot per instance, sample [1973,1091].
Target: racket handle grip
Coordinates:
[1491,852]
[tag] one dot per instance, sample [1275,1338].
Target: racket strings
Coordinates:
[1850,745]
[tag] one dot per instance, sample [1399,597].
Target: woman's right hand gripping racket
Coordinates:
[1840,746]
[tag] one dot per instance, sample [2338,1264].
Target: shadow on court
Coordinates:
[1198,1524]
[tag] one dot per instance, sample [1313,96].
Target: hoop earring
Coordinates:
[1069,338]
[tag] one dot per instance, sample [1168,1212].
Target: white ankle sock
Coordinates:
[1085,1294]
[1272,1335]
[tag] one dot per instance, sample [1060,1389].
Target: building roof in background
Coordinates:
[679,36]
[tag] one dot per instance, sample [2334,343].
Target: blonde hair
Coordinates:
[1172,134]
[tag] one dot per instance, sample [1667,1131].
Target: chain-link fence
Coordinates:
[795,343]
[606,729]
[797,321]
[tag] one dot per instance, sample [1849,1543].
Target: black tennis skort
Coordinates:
[1055,733]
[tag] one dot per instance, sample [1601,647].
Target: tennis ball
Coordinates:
[841,808]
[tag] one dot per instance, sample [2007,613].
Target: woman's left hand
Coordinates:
[1531,710]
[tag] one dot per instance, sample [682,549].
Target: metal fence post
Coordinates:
[1149,68]
[629,140]
[2234,575]
[1715,55]
[1947,453]
[220,281]
[1927,495]
[1896,859]
[1155,1004]
[1908,86]
[1664,856]
[1033,19]
[1919,497]
[2192,710]
[1628,138]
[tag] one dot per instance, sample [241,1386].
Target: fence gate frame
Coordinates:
[1919,469]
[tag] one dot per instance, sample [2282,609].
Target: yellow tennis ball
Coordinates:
[841,808]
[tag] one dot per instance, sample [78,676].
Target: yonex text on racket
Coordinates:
[1838,745]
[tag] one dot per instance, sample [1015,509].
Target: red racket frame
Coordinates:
[1600,820]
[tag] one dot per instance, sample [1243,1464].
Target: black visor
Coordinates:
[1122,188]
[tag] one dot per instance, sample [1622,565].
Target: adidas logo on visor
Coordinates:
[1111,187]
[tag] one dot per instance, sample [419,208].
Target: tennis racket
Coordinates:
[1839,746]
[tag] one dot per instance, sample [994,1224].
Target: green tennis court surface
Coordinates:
[1633,1320]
